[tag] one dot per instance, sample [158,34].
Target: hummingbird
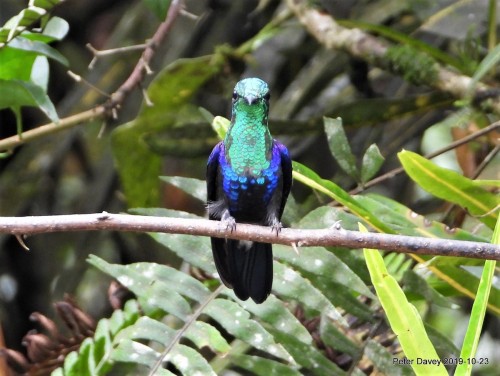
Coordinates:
[249,176]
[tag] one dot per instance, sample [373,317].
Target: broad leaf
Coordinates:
[133,143]
[339,147]
[193,187]
[311,179]
[16,93]
[451,186]
[403,316]
[263,367]
[38,48]
[238,323]
[372,161]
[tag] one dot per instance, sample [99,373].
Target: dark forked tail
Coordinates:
[246,267]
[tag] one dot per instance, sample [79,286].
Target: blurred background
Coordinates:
[77,171]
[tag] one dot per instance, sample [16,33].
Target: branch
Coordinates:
[12,142]
[117,98]
[201,227]
[374,50]
[390,174]
[142,66]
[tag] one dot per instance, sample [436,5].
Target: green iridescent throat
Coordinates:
[248,141]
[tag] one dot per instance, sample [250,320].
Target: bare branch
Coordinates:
[12,142]
[79,79]
[375,50]
[201,227]
[99,53]
[142,66]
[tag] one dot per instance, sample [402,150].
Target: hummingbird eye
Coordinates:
[235,95]
[267,96]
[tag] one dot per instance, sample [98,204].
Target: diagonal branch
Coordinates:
[201,227]
[117,98]
[142,66]
[376,51]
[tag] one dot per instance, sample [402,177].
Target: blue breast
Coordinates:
[250,192]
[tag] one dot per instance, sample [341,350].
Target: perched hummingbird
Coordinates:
[249,176]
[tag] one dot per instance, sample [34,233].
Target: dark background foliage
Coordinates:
[75,171]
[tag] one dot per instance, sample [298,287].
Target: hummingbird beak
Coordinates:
[250,99]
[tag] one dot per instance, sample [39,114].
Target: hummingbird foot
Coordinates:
[276,226]
[228,221]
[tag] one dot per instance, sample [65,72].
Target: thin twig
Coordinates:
[453,145]
[186,326]
[112,51]
[12,142]
[79,78]
[287,236]
[142,66]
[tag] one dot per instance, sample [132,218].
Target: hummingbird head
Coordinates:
[251,91]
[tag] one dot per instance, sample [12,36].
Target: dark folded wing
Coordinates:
[286,171]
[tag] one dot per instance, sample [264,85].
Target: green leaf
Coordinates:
[490,61]
[196,250]
[307,355]
[263,367]
[442,343]
[335,339]
[133,143]
[220,125]
[40,72]
[18,23]
[396,265]
[16,64]
[289,283]
[339,147]
[451,186]
[474,329]
[154,293]
[415,285]
[402,315]
[326,217]
[15,93]
[189,361]
[405,221]
[339,296]
[194,187]
[205,335]
[464,282]
[238,323]
[158,7]
[384,360]
[311,179]
[322,263]
[39,48]
[372,161]
[178,281]
[57,28]
[137,353]
[276,313]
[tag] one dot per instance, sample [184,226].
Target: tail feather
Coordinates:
[245,266]
[221,261]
